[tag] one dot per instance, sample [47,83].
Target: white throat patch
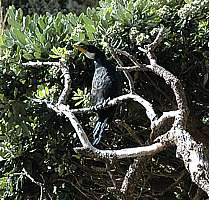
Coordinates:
[90,55]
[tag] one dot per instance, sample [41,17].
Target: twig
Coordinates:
[157,41]
[179,179]
[33,181]
[48,193]
[112,178]
[31,178]
[134,68]
[130,176]
[126,73]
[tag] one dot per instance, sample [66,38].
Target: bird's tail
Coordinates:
[99,129]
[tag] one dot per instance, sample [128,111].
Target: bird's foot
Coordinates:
[102,105]
[105,102]
[97,107]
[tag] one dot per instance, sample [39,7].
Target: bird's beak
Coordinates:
[80,48]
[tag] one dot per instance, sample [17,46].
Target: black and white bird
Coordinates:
[106,85]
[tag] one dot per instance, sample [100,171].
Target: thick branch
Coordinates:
[63,109]
[191,152]
[89,150]
[148,106]
[67,84]
[165,116]
[150,150]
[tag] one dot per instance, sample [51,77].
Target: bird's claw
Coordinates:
[102,105]
[97,107]
[105,102]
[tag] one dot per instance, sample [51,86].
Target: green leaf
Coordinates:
[37,55]
[188,1]
[28,56]
[73,19]
[13,23]
[54,56]
[40,36]
[20,36]
[75,37]
[78,103]
[25,22]
[19,15]
[89,26]
[41,93]
[35,18]
[76,98]
[11,12]
[81,36]
[41,23]
[80,92]
[57,23]
[89,11]
[46,90]
[2,40]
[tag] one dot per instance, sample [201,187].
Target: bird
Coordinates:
[106,85]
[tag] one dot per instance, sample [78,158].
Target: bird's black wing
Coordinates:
[101,86]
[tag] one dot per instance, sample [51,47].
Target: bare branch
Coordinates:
[150,150]
[67,84]
[157,41]
[131,175]
[31,178]
[63,109]
[89,150]
[40,64]
[148,106]
[171,80]
[166,115]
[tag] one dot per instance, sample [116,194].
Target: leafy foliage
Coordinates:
[82,97]
[35,139]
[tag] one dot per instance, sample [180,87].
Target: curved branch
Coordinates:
[150,150]
[88,149]
[147,105]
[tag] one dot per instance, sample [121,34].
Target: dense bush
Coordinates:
[37,141]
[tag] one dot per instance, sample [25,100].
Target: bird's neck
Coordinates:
[101,62]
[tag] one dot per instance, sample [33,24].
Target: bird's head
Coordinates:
[90,51]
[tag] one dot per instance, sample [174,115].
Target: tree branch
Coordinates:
[40,64]
[126,73]
[148,106]
[67,84]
